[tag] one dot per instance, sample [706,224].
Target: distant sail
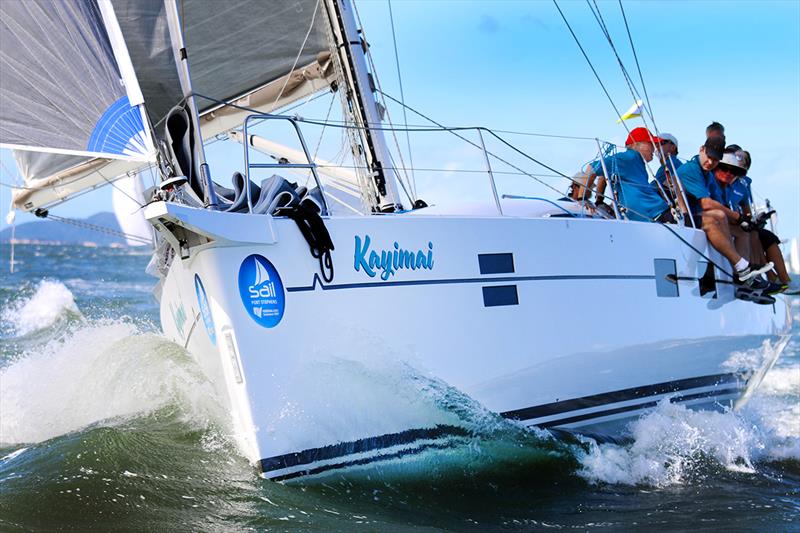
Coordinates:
[262,276]
[127,198]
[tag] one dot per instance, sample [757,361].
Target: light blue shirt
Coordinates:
[635,191]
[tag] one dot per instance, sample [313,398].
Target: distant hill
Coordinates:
[51,231]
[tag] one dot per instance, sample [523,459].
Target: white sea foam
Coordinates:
[102,372]
[672,443]
[50,301]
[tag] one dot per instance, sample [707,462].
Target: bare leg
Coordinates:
[756,251]
[741,240]
[774,254]
[716,226]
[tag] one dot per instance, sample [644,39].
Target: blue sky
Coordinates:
[513,65]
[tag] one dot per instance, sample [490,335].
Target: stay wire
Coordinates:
[402,98]
[638,68]
[95,227]
[591,66]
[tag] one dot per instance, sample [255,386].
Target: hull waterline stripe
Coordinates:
[636,407]
[456,281]
[334,451]
[360,462]
[596,400]
[442,446]
[359,446]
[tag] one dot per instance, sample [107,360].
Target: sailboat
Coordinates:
[267,282]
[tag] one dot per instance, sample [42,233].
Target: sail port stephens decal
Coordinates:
[388,262]
[261,290]
[205,310]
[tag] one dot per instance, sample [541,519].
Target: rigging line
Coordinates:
[598,17]
[319,141]
[402,96]
[95,227]
[452,131]
[299,53]
[456,170]
[596,75]
[636,58]
[134,200]
[377,80]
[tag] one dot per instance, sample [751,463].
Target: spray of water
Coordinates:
[99,371]
[50,301]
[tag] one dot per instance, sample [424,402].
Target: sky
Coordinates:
[513,66]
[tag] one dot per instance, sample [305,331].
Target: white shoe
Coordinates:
[752,271]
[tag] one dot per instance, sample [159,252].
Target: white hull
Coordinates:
[559,324]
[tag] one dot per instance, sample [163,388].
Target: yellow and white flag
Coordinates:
[634,111]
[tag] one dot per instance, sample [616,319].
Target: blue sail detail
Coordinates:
[119,131]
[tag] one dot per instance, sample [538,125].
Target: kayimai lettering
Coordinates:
[388,262]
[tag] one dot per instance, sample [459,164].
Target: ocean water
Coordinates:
[105,425]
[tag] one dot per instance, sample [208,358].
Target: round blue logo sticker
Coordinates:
[261,290]
[205,310]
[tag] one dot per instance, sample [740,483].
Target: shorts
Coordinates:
[767,238]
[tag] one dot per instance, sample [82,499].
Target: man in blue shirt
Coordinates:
[635,194]
[670,161]
[720,223]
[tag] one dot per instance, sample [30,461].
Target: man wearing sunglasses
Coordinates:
[669,161]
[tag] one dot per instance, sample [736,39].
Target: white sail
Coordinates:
[127,199]
[75,72]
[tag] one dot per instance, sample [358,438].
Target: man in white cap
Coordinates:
[669,161]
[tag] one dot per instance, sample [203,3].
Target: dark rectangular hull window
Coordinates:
[496,263]
[666,278]
[501,295]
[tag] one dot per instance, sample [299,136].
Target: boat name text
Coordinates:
[388,262]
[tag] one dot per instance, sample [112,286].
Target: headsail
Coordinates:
[60,84]
[72,116]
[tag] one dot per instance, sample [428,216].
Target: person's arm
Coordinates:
[734,217]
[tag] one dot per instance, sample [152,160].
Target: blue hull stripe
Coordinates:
[365,461]
[313,455]
[505,279]
[596,400]
[636,407]
[359,446]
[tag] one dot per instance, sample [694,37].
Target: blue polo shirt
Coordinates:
[635,191]
[661,175]
[698,183]
[739,195]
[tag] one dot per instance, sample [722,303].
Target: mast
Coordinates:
[182,64]
[360,94]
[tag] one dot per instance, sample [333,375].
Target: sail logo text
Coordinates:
[388,262]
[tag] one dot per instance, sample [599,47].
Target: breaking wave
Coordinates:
[674,445]
[50,302]
[95,371]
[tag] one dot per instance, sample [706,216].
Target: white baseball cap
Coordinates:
[669,137]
